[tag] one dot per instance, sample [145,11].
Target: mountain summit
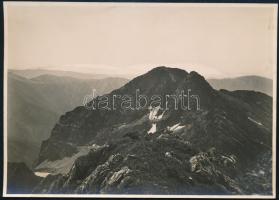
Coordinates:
[161,150]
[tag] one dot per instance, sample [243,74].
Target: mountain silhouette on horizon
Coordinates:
[256,83]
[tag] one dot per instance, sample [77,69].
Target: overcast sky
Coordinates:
[115,39]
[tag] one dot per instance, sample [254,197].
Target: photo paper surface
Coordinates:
[140,100]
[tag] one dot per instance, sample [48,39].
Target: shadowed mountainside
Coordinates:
[34,105]
[163,151]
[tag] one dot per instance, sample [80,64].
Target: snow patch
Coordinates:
[160,116]
[252,120]
[154,118]
[229,159]
[261,172]
[64,165]
[153,114]
[152,129]
[168,154]
[42,174]
[175,127]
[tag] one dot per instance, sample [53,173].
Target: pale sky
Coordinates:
[130,39]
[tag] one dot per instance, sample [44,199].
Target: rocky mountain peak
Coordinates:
[164,69]
[165,80]
[164,148]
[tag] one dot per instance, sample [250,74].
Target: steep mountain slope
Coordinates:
[34,105]
[160,150]
[30,119]
[255,83]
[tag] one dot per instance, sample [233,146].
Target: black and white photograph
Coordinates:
[140,99]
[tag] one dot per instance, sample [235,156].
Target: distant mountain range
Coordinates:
[31,73]
[34,105]
[254,83]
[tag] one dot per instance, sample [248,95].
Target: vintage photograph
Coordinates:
[139,99]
